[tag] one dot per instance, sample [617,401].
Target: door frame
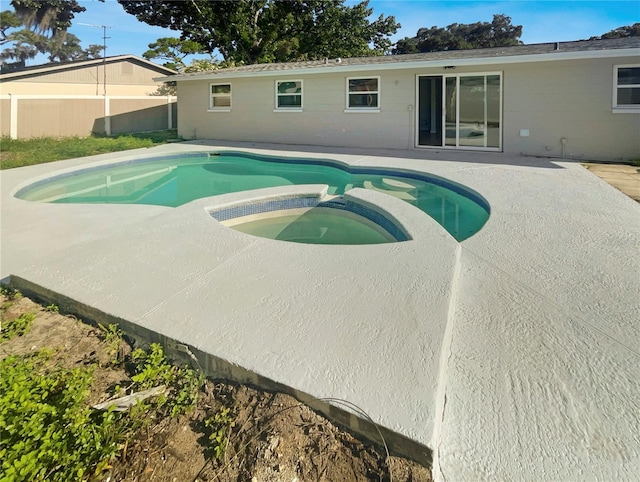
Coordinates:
[443,113]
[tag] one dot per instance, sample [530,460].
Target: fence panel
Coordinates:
[5,117]
[138,115]
[65,115]
[58,117]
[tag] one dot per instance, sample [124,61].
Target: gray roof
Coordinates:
[453,55]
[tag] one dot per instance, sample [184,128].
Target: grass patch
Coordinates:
[29,152]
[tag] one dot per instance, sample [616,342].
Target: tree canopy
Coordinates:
[621,32]
[40,26]
[47,16]
[173,51]
[258,31]
[499,33]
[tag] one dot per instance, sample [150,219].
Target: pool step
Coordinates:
[404,195]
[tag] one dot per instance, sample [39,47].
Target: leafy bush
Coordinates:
[219,427]
[152,369]
[112,336]
[47,430]
[16,327]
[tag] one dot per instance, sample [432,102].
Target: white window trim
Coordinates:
[362,110]
[212,95]
[277,94]
[623,109]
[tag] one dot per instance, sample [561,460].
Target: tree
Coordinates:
[70,50]
[8,19]
[43,16]
[47,16]
[173,51]
[256,31]
[621,32]
[52,17]
[499,33]
[26,45]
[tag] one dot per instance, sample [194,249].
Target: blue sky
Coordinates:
[542,21]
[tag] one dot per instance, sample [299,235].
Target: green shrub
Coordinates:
[152,369]
[219,427]
[16,327]
[47,430]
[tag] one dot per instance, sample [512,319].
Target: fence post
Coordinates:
[107,116]
[13,116]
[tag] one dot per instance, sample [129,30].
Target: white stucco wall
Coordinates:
[322,122]
[569,99]
[572,100]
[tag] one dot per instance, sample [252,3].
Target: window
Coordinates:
[626,88]
[363,94]
[289,95]
[220,97]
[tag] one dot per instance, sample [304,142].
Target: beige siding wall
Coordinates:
[553,100]
[23,87]
[123,78]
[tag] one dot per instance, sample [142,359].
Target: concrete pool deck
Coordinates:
[514,355]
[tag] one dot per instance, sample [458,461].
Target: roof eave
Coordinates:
[439,63]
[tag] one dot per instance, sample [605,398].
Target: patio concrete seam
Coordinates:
[445,357]
[570,313]
[193,282]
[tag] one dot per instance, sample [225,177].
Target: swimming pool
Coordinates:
[176,180]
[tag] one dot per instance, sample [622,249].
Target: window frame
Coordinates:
[362,110]
[623,108]
[277,107]
[212,107]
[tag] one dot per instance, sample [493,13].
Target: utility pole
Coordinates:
[104,51]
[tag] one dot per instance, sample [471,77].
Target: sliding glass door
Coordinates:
[469,106]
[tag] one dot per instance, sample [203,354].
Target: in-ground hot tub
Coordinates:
[304,219]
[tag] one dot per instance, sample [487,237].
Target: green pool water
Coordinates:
[316,226]
[174,181]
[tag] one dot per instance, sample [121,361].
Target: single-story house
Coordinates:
[114,95]
[117,75]
[566,99]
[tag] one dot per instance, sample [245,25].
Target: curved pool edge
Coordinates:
[341,164]
[415,224]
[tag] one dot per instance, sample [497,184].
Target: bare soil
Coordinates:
[623,177]
[275,438]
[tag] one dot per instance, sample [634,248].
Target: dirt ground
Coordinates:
[275,438]
[623,177]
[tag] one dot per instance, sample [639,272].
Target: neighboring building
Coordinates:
[114,95]
[125,75]
[574,99]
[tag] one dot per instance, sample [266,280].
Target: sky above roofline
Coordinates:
[542,21]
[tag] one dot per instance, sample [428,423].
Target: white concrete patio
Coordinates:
[514,355]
